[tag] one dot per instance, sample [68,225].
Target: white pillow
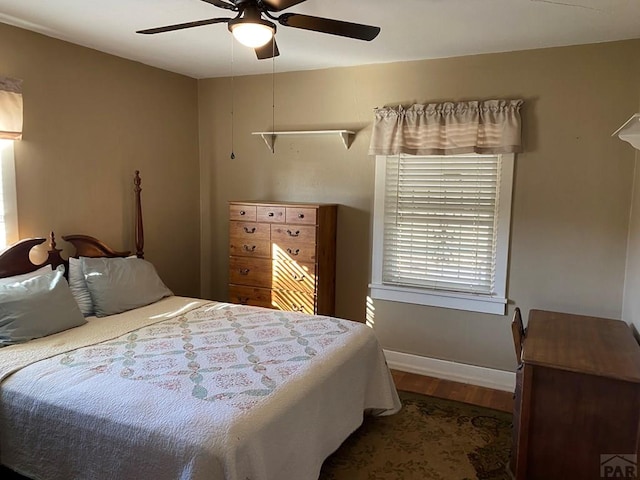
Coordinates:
[120,284]
[79,288]
[36,307]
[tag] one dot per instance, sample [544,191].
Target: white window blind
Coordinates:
[440,222]
[441,230]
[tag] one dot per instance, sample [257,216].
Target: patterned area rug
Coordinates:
[429,439]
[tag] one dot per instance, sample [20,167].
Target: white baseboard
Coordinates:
[457,372]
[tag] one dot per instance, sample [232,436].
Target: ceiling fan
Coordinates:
[251,29]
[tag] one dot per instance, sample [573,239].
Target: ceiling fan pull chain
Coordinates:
[233,155]
[273,92]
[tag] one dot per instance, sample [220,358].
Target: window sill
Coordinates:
[432,298]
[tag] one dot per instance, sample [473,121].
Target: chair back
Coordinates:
[518,332]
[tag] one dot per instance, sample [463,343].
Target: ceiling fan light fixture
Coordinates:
[253,33]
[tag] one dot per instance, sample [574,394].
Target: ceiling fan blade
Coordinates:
[180,26]
[222,4]
[327,25]
[269,50]
[279,5]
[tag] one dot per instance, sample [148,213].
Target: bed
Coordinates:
[179,388]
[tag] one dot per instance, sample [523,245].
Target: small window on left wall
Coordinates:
[10,130]
[8,203]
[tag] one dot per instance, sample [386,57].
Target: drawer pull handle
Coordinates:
[293,252]
[244,271]
[298,278]
[243,300]
[293,234]
[242,212]
[297,308]
[249,230]
[271,214]
[248,248]
[301,215]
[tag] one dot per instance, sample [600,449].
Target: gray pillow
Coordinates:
[36,307]
[78,286]
[26,276]
[120,284]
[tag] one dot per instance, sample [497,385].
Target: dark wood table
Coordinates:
[577,399]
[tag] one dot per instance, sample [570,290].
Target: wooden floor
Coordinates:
[484,397]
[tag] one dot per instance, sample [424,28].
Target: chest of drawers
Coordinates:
[283,255]
[577,402]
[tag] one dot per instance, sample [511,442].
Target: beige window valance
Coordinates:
[491,126]
[10,108]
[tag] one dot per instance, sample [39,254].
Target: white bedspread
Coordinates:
[216,391]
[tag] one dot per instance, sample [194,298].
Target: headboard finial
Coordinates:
[52,241]
[53,254]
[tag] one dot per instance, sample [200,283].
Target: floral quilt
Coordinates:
[205,390]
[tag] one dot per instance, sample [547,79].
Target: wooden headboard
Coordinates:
[86,246]
[15,259]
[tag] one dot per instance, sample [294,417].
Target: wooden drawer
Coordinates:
[294,252]
[259,297]
[300,215]
[250,248]
[242,212]
[294,276]
[293,234]
[249,239]
[249,231]
[294,301]
[271,214]
[250,271]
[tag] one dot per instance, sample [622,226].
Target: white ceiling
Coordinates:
[411,30]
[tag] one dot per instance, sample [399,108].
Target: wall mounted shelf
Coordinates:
[270,137]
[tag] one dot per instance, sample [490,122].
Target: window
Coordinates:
[441,230]
[8,204]
[10,130]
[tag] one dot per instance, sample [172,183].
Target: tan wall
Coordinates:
[572,189]
[90,120]
[631,307]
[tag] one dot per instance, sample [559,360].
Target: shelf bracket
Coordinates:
[347,137]
[269,139]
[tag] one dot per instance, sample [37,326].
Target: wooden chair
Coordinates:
[518,332]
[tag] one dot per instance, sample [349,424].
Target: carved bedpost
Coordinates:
[139,228]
